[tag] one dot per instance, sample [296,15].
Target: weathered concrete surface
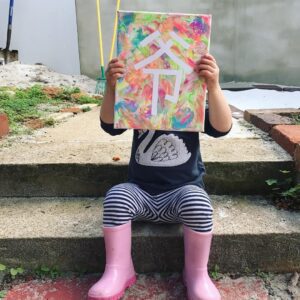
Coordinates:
[249,233]
[79,155]
[238,30]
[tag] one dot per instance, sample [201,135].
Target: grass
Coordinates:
[295,119]
[22,105]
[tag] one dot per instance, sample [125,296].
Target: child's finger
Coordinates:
[116,65]
[205,73]
[209,56]
[204,67]
[116,70]
[113,60]
[208,62]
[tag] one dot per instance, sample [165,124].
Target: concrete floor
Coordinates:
[163,287]
[263,99]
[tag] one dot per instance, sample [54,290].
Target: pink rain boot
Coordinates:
[119,272]
[196,253]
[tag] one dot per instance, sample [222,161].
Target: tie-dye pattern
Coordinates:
[134,92]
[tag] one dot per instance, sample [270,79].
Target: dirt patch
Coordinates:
[35,123]
[23,76]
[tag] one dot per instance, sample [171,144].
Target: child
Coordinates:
[165,185]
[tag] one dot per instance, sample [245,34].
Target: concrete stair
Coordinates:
[250,234]
[51,210]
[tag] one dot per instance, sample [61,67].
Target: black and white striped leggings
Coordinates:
[188,204]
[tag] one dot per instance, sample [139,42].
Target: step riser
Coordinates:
[242,254]
[63,180]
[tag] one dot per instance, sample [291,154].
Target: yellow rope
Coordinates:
[100,33]
[115,31]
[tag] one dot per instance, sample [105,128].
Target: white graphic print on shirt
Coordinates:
[167,150]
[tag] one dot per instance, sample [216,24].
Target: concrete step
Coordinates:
[249,234]
[92,179]
[75,159]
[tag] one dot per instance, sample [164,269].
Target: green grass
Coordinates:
[295,119]
[21,105]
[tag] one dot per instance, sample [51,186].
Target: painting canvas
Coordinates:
[160,90]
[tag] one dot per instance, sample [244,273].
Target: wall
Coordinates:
[45,31]
[4,9]
[254,40]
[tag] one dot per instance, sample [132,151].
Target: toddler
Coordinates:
[165,185]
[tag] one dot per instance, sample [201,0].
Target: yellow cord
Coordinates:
[100,33]
[115,32]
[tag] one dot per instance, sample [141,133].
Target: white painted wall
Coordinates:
[254,41]
[45,31]
[4,9]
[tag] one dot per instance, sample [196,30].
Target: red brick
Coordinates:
[278,111]
[74,110]
[148,287]
[266,122]
[287,136]
[4,126]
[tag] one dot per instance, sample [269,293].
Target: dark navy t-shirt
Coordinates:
[165,160]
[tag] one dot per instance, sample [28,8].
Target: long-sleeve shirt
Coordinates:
[165,160]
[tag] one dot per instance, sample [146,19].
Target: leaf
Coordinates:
[45,269]
[13,272]
[2,268]
[3,294]
[20,270]
[271,181]
[284,171]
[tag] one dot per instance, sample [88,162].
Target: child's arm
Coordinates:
[219,110]
[115,70]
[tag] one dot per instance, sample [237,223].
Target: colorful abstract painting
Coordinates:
[160,89]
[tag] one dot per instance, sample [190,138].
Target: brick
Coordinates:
[52,92]
[267,121]
[280,111]
[287,136]
[74,110]
[4,125]
[297,157]
[247,115]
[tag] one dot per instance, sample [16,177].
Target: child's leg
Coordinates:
[120,207]
[192,206]
[119,272]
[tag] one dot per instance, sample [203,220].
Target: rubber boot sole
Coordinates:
[118,296]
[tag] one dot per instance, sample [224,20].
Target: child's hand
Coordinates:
[114,71]
[207,68]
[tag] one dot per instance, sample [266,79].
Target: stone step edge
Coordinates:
[96,179]
[249,235]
